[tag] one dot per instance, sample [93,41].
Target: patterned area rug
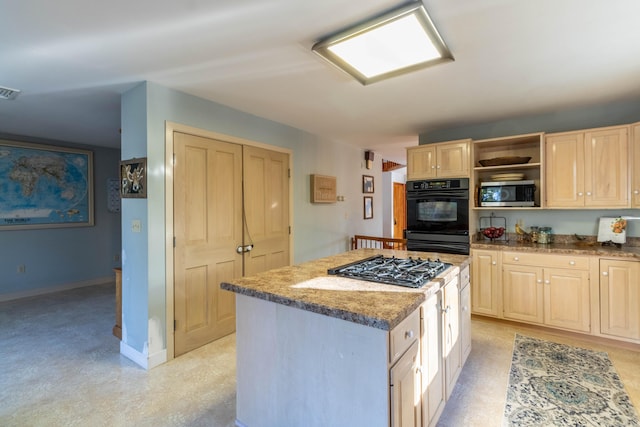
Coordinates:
[554,384]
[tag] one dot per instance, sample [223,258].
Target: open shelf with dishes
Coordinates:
[512,159]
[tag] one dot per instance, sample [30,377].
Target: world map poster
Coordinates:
[44,186]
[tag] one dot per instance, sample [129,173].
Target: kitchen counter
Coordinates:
[320,350]
[562,248]
[307,286]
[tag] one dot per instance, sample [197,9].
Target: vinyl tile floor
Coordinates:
[60,366]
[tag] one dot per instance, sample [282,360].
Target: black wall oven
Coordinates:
[438,215]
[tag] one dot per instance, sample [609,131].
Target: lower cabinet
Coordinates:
[558,297]
[432,361]
[406,391]
[620,299]
[485,282]
[451,335]
[465,314]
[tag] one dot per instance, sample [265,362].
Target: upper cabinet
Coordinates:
[635,166]
[440,160]
[513,158]
[588,168]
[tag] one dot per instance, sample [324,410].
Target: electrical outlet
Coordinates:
[22,268]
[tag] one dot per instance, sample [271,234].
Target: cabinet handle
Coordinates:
[580,194]
[433,167]
[588,193]
[515,258]
[605,273]
[408,334]
[546,282]
[572,263]
[438,167]
[636,191]
[539,280]
[494,263]
[446,309]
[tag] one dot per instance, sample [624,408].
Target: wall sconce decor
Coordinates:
[368,156]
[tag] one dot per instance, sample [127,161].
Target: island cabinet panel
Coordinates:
[620,299]
[298,368]
[566,299]
[432,361]
[522,293]
[452,339]
[405,389]
[465,313]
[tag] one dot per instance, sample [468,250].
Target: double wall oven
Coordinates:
[438,215]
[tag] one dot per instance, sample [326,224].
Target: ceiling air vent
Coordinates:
[9,94]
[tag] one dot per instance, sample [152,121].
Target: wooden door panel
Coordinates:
[266,202]
[208,228]
[566,299]
[565,170]
[399,210]
[522,293]
[607,161]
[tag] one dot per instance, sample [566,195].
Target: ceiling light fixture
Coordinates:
[8,94]
[396,42]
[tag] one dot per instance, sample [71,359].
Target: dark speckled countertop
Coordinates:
[587,249]
[307,286]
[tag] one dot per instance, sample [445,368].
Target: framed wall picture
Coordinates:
[367,184]
[45,186]
[133,178]
[368,207]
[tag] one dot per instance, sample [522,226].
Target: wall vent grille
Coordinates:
[8,94]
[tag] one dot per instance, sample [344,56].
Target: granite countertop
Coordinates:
[573,248]
[307,286]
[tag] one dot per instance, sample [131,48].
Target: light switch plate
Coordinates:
[136,226]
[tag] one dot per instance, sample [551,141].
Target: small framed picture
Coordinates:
[367,184]
[368,207]
[133,178]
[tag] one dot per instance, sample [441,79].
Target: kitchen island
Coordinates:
[320,350]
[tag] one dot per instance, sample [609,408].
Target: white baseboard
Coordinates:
[43,291]
[141,359]
[133,354]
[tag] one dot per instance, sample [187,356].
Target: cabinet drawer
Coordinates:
[464,277]
[403,335]
[544,260]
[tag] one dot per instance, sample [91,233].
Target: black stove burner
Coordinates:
[409,272]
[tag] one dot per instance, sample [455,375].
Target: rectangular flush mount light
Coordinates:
[396,42]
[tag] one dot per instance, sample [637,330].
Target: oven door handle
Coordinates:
[462,195]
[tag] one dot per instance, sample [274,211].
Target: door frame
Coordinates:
[170,128]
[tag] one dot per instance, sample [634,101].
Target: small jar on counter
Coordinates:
[534,234]
[545,235]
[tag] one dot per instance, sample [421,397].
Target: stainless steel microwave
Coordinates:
[507,193]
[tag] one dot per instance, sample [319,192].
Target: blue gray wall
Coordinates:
[319,230]
[60,258]
[584,222]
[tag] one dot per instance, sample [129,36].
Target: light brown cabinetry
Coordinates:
[527,148]
[557,294]
[635,166]
[588,169]
[485,282]
[451,335]
[465,313]
[432,361]
[620,299]
[439,160]
[405,389]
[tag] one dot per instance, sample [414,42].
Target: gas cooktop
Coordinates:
[409,272]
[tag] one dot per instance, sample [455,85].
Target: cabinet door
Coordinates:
[565,170]
[522,293]
[421,162]
[432,365]
[635,167]
[452,159]
[607,167]
[465,322]
[451,333]
[484,282]
[620,298]
[405,390]
[566,299]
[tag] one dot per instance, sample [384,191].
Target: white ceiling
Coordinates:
[73,58]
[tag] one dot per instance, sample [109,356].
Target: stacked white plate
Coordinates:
[507,177]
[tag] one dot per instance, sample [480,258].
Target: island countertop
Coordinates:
[308,286]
